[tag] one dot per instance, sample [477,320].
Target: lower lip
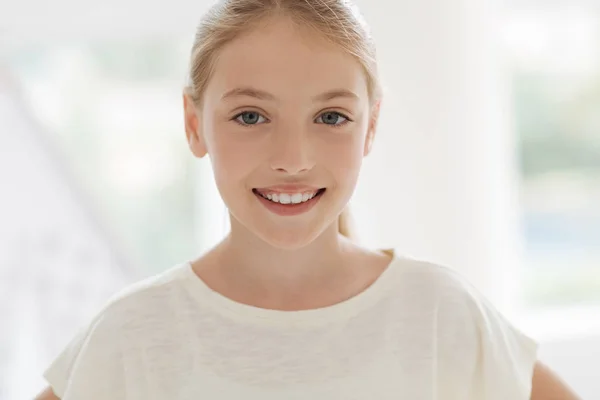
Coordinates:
[289,209]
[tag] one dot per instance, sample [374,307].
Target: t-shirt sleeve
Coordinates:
[90,366]
[506,357]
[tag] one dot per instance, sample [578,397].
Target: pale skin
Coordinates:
[291,83]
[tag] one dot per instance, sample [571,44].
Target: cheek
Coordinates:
[232,159]
[343,157]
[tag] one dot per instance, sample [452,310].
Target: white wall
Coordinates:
[445,142]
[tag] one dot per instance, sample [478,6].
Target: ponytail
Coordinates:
[345,224]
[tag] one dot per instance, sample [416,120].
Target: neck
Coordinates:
[248,257]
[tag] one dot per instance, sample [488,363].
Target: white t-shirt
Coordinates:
[419,332]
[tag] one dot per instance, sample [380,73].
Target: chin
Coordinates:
[285,232]
[289,239]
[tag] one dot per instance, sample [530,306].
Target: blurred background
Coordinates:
[487,160]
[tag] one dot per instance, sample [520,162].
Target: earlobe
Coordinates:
[193,128]
[368,144]
[197,146]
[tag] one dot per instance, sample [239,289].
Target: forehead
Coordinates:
[284,60]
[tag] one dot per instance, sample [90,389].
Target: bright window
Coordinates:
[114,108]
[554,51]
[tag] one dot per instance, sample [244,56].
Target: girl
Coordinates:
[284,97]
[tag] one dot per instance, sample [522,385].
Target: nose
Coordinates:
[291,152]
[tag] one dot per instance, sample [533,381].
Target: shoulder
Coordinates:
[450,297]
[151,295]
[473,338]
[135,301]
[439,300]
[91,364]
[434,282]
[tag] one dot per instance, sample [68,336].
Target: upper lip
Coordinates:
[288,188]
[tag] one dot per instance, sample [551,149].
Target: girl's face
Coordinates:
[286,121]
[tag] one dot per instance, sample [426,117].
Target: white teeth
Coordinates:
[285,198]
[296,198]
[289,198]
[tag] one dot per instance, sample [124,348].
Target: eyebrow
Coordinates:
[262,95]
[248,92]
[334,94]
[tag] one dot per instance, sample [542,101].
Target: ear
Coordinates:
[193,127]
[374,117]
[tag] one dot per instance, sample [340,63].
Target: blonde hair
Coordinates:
[337,21]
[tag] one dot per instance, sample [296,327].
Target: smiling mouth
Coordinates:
[289,199]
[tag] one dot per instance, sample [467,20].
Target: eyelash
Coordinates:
[347,119]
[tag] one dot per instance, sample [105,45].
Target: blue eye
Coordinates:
[249,118]
[332,118]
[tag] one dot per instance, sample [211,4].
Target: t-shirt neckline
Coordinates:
[345,309]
